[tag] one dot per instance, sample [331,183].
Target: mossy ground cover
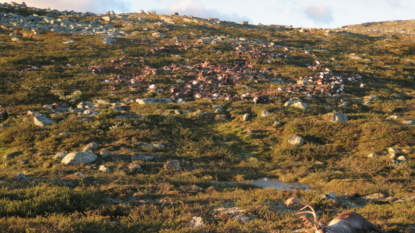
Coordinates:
[218,155]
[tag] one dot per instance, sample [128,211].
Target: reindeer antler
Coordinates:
[307,221]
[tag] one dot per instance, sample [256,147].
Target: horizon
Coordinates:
[298,13]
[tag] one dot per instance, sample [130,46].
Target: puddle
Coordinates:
[277,184]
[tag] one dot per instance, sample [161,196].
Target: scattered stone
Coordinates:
[218,108]
[373,155]
[376,197]
[142,157]
[369,99]
[3,126]
[69,42]
[393,117]
[157,35]
[265,113]
[16,39]
[221,118]
[296,140]
[104,168]
[245,117]
[401,158]
[336,117]
[90,146]
[42,121]
[173,165]
[154,101]
[106,18]
[135,168]
[108,40]
[296,104]
[60,155]
[408,122]
[105,154]
[21,177]
[79,157]
[63,134]
[156,146]
[196,222]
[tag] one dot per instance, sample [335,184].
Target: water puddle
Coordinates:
[277,184]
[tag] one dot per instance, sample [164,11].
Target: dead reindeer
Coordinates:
[346,222]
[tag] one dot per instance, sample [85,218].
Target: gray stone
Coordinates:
[296,140]
[104,168]
[42,121]
[336,117]
[106,18]
[154,101]
[173,165]
[142,157]
[105,154]
[60,155]
[157,35]
[90,146]
[21,177]
[79,157]
[265,113]
[296,104]
[108,40]
[135,168]
[196,222]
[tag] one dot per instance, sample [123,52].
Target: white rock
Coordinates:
[296,140]
[60,155]
[79,157]
[196,222]
[90,146]
[245,117]
[104,168]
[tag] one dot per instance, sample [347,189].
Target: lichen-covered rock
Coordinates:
[104,168]
[196,222]
[336,117]
[79,157]
[135,168]
[296,104]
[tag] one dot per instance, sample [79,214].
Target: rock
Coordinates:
[296,104]
[135,168]
[218,108]
[173,165]
[142,157]
[401,158]
[21,177]
[373,155]
[336,117]
[106,18]
[108,40]
[105,154]
[16,39]
[221,118]
[157,35]
[3,126]
[369,99]
[265,113]
[196,222]
[392,150]
[42,121]
[104,168]
[60,155]
[296,140]
[374,197]
[408,122]
[245,117]
[392,117]
[328,196]
[90,146]
[154,101]
[85,105]
[79,157]
[69,42]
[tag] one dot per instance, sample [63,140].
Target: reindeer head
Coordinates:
[308,222]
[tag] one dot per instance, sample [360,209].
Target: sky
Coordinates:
[299,13]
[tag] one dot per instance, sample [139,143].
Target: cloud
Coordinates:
[96,6]
[319,14]
[198,9]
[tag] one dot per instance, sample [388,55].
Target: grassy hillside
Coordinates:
[209,72]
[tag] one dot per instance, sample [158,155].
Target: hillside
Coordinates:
[141,122]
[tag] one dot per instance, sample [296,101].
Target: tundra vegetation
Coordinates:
[334,109]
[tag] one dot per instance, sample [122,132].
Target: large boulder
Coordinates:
[42,121]
[154,101]
[79,157]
